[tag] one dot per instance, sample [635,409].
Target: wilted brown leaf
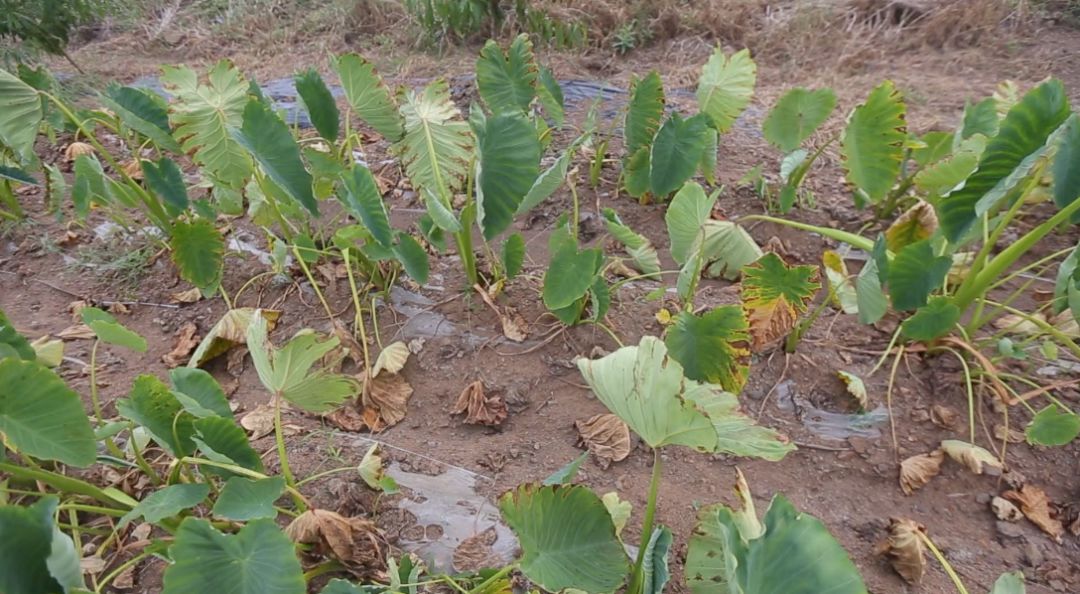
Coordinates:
[76,332]
[915,224]
[974,457]
[347,417]
[133,169]
[905,549]
[916,471]
[76,307]
[189,296]
[186,340]
[1005,510]
[478,408]
[475,553]
[77,149]
[772,311]
[230,331]
[606,436]
[385,399]
[1035,506]
[943,416]
[92,565]
[260,421]
[1010,435]
[350,347]
[514,326]
[355,542]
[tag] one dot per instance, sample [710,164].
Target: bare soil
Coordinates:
[845,471]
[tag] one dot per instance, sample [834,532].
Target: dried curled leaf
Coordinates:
[355,542]
[478,408]
[77,149]
[1036,507]
[189,296]
[229,331]
[392,359]
[905,549]
[186,340]
[76,332]
[606,436]
[943,416]
[974,457]
[916,471]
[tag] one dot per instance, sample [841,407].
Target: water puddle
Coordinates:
[450,502]
[828,424]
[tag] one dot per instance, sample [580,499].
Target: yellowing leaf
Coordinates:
[229,331]
[916,224]
[49,352]
[855,387]
[974,457]
[371,470]
[392,358]
[774,294]
[840,281]
[619,510]
[905,549]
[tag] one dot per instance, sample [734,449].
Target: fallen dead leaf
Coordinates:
[118,308]
[916,471]
[943,416]
[1035,506]
[133,169]
[189,296]
[126,579]
[1016,324]
[76,307]
[355,542]
[77,149]
[384,400]
[478,408]
[606,436]
[618,267]
[1010,435]
[229,331]
[76,332]
[349,346]
[905,549]
[92,565]
[260,421]
[978,459]
[70,238]
[475,552]
[1005,510]
[514,326]
[186,340]
[392,359]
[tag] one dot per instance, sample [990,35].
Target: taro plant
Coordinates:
[478,173]
[649,392]
[942,259]
[795,118]
[661,154]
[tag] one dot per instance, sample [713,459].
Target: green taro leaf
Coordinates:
[363,200]
[201,387]
[89,185]
[245,499]
[319,102]
[873,143]
[10,338]
[914,273]
[441,215]
[513,255]
[152,405]
[412,256]
[166,503]
[676,152]
[198,251]
[110,331]
[795,555]
[17,175]
[287,371]
[20,115]
[725,249]
[644,112]
[509,165]
[41,417]
[1065,170]
[220,439]
[258,559]
[166,180]
[143,112]
[939,145]
[567,472]
[507,81]
[1009,583]
[35,557]
[558,526]
[943,176]
[796,116]
[1053,426]
[270,142]
[638,247]
[570,273]
[437,146]
[844,292]
[655,563]
[980,118]
[547,182]
[369,97]
[636,172]
[712,347]
[551,97]
[869,296]
[726,86]
[1008,158]
[685,217]
[932,321]
[204,114]
[707,165]
[1066,285]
